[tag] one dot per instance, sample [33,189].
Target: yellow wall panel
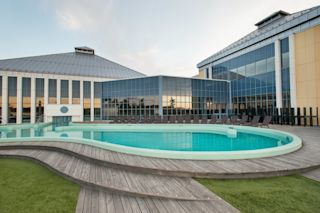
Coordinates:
[307,64]
[201,74]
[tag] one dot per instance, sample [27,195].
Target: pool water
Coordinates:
[160,140]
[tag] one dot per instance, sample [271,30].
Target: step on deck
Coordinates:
[93,201]
[116,180]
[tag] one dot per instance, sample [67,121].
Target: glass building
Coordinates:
[273,68]
[165,96]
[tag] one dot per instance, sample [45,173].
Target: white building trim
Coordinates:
[81,99]
[277,58]
[92,101]
[70,91]
[293,87]
[58,91]
[4,110]
[46,97]
[33,101]
[19,100]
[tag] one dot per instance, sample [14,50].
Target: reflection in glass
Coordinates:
[12,102]
[26,100]
[52,91]
[39,99]
[86,100]
[180,96]
[64,92]
[97,100]
[75,92]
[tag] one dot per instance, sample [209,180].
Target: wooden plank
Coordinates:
[87,202]
[102,202]
[117,203]
[95,201]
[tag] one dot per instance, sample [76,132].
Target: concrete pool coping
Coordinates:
[203,155]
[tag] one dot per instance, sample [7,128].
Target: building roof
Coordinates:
[73,63]
[272,25]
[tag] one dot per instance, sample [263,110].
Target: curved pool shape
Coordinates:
[176,141]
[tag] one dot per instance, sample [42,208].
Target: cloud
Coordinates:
[81,15]
[160,37]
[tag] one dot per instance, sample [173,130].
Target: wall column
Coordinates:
[277,58]
[70,91]
[293,90]
[19,100]
[4,99]
[92,101]
[33,101]
[46,97]
[58,90]
[81,100]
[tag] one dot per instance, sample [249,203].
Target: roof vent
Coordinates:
[273,17]
[84,50]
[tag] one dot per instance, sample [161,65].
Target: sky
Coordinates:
[167,37]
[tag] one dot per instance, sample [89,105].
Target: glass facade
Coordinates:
[75,92]
[131,97]
[252,77]
[64,91]
[97,100]
[39,99]
[86,100]
[162,95]
[184,96]
[12,99]
[26,100]
[285,73]
[52,91]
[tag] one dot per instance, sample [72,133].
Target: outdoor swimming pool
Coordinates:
[177,141]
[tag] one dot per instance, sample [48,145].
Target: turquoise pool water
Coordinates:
[155,139]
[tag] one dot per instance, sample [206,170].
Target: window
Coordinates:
[12,102]
[75,92]
[86,100]
[26,100]
[52,91]
[97,100]
[39,99]
[64,92]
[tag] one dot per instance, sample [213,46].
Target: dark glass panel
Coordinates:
[26,100]
[52,91]
[75,92]
[39,99]
[12,99]
[64,91]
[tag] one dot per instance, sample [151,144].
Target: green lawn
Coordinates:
[279,194]
[26,186]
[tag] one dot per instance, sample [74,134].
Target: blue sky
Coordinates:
[152,36]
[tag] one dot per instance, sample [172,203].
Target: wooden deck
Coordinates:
[92,201]
[113,181]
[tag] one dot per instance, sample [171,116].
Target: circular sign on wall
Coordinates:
[64,109]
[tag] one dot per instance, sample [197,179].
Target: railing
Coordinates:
[297,116]
[300,116]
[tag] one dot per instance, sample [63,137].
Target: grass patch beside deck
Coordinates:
[26,186]
[280,194]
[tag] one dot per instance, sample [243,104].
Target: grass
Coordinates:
[279,194]
[26,186]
